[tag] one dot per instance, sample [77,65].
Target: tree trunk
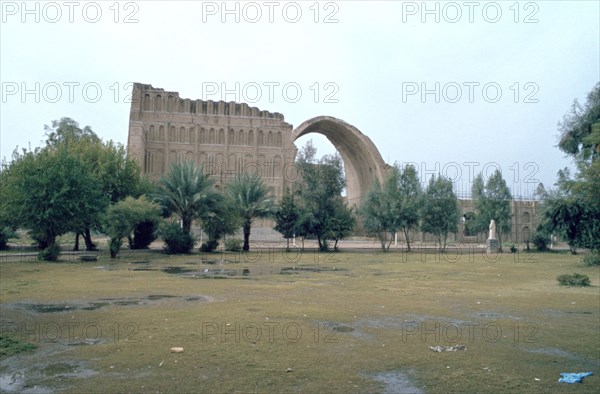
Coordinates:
[247,227]
[186,225]
[407,240]
[76,247]
[382,240]
[87,237]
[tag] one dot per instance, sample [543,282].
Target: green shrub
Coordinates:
[144,234]
[591,259]
[176,240]
[573,280]
[114,246]
[6,234]
[209,247]
[50,253]
[233,245]
[541,241]
[10,346]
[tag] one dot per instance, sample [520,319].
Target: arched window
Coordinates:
[161,133]
[158,103]
[210,165]
[158,162]
[279,140]
[202,137]
[231,163]
[192,135]
[172,134]
[146,102]
[251,138]
[152,134]
[231,137]
[211,136]
[277,166]
[270,139]
[170,102]
[222,137]
[182,135]
[241,140]
[148,162]
[261,138]
[526,217]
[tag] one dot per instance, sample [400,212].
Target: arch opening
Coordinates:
[362,161]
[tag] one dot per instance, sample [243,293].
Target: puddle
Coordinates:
[153,297]
[553,352]
[12,382]
[95,305]
[105,302]
[49,308]
[334,326]
[222,273]
[396,382]
[295,270]
[495,315]
[176,270]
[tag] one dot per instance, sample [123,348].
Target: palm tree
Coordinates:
[186,191]
[250,199]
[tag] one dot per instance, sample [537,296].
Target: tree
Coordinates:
[492,201]
[573,210]
[223,220]
[439,210]
[121,219]
[117,174]
[562,215]
[409,197]
[66,129]
[187,192]
[578,136]
[321,186]
[47,191]
[342,223]
[250,199]
[377,214]
[287,217]
[394,206]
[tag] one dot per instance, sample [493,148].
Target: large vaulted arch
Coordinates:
[362,161]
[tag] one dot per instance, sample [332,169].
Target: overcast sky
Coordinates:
[456,87]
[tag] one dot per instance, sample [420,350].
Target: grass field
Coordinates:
[360,321]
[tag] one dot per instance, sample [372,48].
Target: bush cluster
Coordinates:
[573,280]
[50,253]
[176,240]
[592,259]
[233,245]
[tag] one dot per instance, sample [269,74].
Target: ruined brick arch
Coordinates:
[363,163]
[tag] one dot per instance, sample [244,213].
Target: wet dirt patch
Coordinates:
[176,270]
[22,376]
[49,308]
[554,352]
[104,303]
[154,297]
[295,270]
[95,305]
[396,382]
[224,273]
